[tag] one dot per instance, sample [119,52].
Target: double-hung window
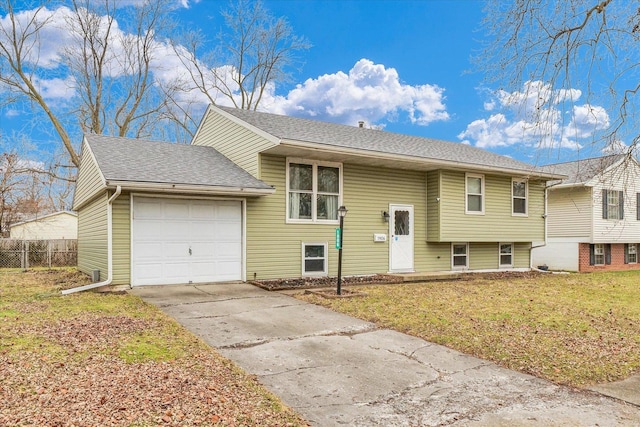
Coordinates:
[475,194]
[631,255]
[314,262]
[313,191]
[459,256]
[598,254]
[519,197]
[612,204]
[506,255]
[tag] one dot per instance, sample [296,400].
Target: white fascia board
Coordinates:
[189,189]
[418,160]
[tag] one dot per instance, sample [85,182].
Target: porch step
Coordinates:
[428,276]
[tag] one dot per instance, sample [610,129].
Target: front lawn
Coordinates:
[111,359]
[575,329]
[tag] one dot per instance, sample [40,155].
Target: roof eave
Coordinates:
[407,158]
[209,190]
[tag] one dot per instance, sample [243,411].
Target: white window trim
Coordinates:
[500,255]
[596,254]
[314,212]
[326,260]
[635,246]
[613,214]
[460,267]
[466,194]
[526,198]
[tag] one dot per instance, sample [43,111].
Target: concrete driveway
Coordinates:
[339,371]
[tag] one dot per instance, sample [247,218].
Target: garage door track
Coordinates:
[339,371]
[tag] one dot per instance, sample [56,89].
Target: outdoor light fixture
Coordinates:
[342,212]
[385,216]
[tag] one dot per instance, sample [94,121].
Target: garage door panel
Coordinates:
[229,211]
[229,251]
[176,210]
[202,211]
[164,230]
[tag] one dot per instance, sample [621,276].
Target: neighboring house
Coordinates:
[256,196]
[593,218]
[58,225]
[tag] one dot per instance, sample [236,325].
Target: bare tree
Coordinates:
[107,64]
[253,52]
[566,45]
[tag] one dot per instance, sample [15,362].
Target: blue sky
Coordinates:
[403,66]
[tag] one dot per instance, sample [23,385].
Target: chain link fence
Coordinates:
[24,254]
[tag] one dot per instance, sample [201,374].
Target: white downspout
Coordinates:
[109,250]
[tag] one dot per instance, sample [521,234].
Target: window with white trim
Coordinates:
[506,254]
[519,192]
[632,253]
[459,256]
[474,189]
[598,254]
[313,191]
[314,259]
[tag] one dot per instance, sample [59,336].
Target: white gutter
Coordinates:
[190,189]
[109,250]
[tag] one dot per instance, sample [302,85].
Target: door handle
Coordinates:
[189,251]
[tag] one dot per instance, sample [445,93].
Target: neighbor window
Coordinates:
[519,197]
[313,191]
[475,194]
[612,204]
[631,253]
[314,261]
[506,255]
[598,254]
[459,257]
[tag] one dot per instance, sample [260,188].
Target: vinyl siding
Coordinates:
[121,217]
[497,222]
[569,212]
[89,181]
[617,231]
[433,206]
[92,237]
[236,142]
[274,248]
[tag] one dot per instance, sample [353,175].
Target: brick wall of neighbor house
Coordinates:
[617,259]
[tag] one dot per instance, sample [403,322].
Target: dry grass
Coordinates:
[577,329]
[110,359]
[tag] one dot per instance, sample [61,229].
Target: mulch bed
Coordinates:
[324,282]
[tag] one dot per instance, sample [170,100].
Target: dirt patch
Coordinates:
[324,282]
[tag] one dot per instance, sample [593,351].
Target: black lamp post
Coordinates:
[342,212]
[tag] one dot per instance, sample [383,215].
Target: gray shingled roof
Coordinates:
[141,161]
[370,140]
[582,171]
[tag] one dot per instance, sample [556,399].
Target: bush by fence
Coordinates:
[38,253]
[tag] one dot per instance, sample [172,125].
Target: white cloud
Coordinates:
[369,92]
[51,89]
[537,116]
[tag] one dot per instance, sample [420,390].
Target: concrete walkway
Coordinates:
[339,371]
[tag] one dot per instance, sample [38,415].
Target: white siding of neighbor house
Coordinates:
[62,225]
[570,212]
[626,179]
[558,254]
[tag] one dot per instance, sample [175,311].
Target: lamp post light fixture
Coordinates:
[342,212]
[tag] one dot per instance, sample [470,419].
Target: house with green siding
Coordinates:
[256,196]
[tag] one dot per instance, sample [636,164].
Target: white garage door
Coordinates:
[185,241]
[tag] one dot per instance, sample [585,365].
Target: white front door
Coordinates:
[401,232]
[185,241]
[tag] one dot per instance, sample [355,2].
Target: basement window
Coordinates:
[314,259]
